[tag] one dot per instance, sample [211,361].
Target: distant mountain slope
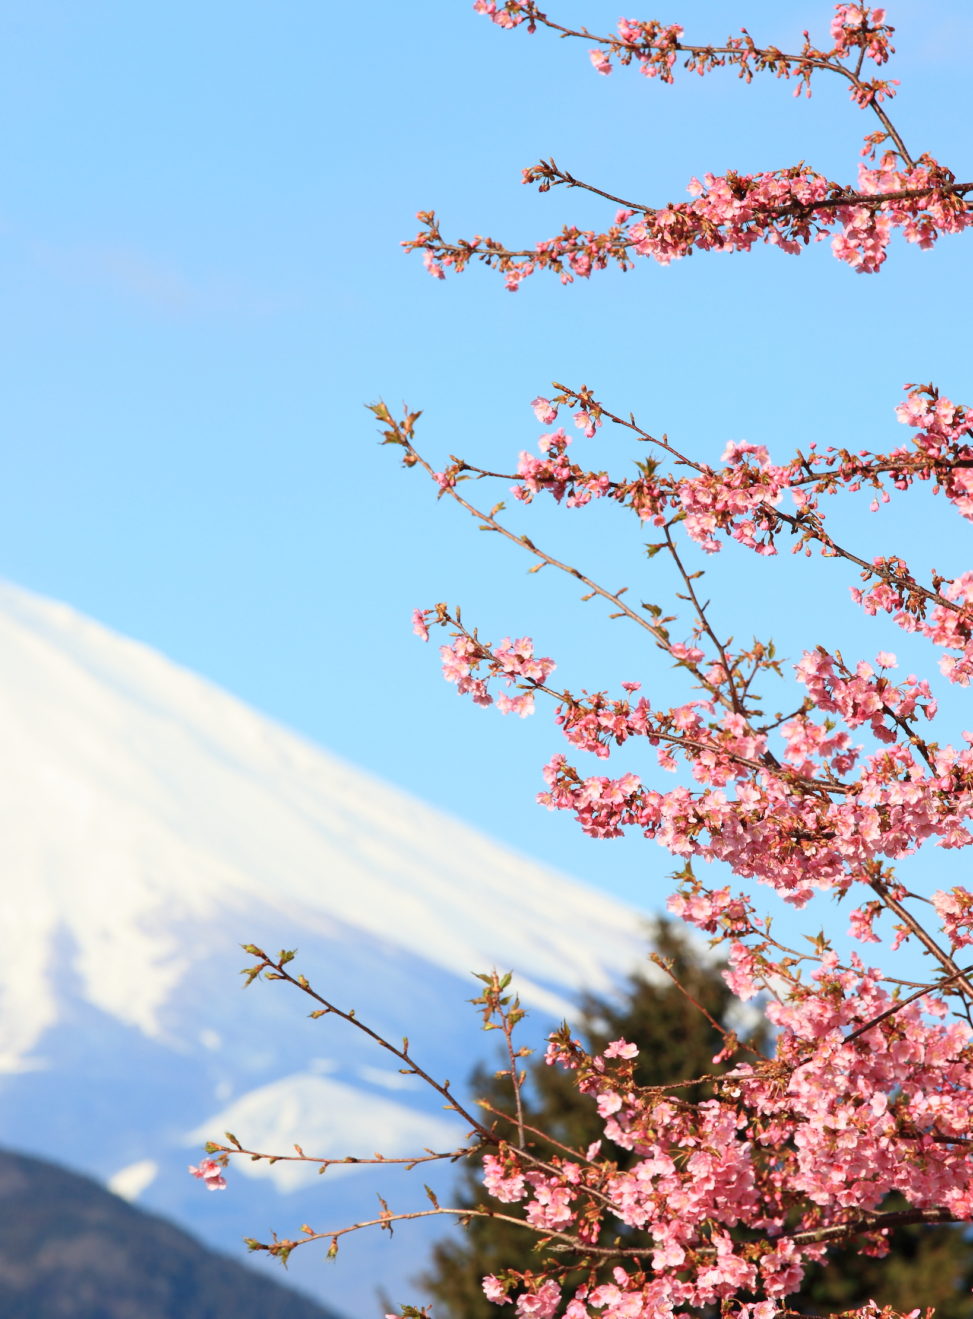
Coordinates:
[152,823]
[71,1250]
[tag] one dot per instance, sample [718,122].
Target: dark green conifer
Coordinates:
[677,1041]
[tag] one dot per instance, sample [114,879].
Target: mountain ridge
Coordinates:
[72,1250]
[153,824]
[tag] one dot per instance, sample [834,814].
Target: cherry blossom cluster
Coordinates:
[741,500]
[843,1117]
[862,696]
[784,830]
[858,27]
[505,13]
[819,813]
[948,623]
[509,661]
[918,201]
[210,1173]
[553,472]
[655,47]
[945,431]
[786,208]
[955,910]
[868,1093]
[684,1207]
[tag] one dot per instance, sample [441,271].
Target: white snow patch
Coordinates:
[390,1080]
[330,1120]
[138,801]
[130,1182]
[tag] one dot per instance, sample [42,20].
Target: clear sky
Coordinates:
[201,285]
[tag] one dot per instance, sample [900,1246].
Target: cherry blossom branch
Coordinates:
[545,1136]
[401,433]
[812,528]
[925,938]
[281,1249]
[499,1012]
[655,47]
[551,175]
[736,703]
[730,1037]
[877,1223]
[921,992]
[806,522]
[408,1162]
[584,399]
[269,968]
[799,783]
[785,209]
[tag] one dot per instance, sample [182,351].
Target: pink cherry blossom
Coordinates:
[545,411]
[815,774]
[621,1049]
[210,1173]
[494,1291]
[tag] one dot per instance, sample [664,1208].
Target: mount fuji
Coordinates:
[151,824]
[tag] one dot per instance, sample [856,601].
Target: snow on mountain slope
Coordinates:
[137,799]
[152,823]
[305,1102]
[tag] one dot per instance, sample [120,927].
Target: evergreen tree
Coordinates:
[673,1025]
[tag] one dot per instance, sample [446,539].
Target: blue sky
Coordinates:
[201,285]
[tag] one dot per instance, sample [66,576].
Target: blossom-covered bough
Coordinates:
[787,208]
[865,1106]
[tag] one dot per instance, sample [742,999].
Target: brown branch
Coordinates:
[926,939]
[735,702]
[810,524]
[843,1231]
[850,197]
[897,1007]
[789,776]
[534,1131]
[835,1233]
[409,1162]
[497,252]
[385,1220]
[278,971]
[741,55]
[665,965]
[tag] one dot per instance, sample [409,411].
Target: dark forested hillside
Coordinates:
[69,1249]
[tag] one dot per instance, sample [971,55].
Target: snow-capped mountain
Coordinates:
[151,823]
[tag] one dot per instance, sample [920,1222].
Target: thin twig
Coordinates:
[278,971]
[926,939]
